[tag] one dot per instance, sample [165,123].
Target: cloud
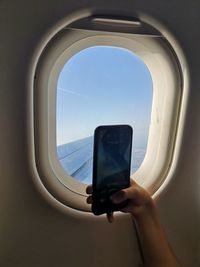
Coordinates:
[69,91]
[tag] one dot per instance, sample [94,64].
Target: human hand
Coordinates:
[139,200]
[89,191]
[139,205]
[155,247]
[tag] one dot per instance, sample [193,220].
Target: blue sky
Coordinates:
[103,85]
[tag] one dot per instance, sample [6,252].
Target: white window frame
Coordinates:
[156,53]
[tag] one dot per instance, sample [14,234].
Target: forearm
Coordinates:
[154,245]
[155,248]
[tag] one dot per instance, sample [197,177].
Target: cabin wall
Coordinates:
[32,231]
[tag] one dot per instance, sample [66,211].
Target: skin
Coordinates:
[155,248]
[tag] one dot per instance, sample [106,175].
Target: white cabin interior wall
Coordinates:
[34,233]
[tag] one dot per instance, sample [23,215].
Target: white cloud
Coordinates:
[70,92]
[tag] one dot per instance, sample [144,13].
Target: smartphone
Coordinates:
[111,165]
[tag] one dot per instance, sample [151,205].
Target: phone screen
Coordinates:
[111,164]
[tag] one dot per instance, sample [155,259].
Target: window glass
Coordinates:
[101,85]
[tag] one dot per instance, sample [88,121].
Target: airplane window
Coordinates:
[100,85]
[91,75]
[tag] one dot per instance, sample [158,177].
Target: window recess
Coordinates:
[148,44]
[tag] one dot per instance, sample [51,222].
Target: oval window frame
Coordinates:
[155,52]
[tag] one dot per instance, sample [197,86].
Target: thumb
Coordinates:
[124,194]
[118,197]
[130,192]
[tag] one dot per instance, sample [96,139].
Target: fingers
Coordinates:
[89,200]
[89,189]
[110,217]
[127,193]
[118,197]
[132,193]
[89,192]
[124,194]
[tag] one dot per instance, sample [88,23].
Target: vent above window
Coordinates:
[115,24]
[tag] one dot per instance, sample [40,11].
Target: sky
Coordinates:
[103,85]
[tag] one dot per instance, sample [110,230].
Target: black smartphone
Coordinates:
[111,165]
